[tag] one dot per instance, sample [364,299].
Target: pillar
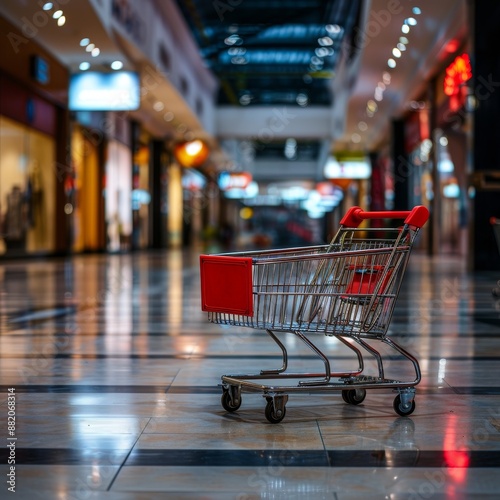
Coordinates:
[485,42]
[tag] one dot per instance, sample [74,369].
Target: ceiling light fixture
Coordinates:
[416,11]
[61,21]
[192,153]
[325,41]
[90,47]
[95,52]
[321,51]
[333,28]
[233,40]
[84,42]
[237,51]
[290,149]
[396,52]
[116,65]
[158,106]
[391,63]
[245,99]
[84,66]
[238,60]
[57,14]
[302,100]
[411,21]
[371,106]
[47,6]
[405,29]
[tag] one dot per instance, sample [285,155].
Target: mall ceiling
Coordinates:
[273,52]
[277,54]
[286,52]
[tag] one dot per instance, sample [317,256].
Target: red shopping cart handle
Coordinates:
[416,217]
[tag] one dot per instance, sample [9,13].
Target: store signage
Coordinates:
[93,91]
[234,180]
[192,180]
[456,76]
[347,169]
[40,70]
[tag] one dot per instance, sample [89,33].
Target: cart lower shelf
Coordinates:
[353,390]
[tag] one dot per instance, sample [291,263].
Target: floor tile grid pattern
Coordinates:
[116,373]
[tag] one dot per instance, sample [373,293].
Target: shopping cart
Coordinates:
[347,289]
[495,223]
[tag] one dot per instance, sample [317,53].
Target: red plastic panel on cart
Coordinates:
[365,280]
[226,284]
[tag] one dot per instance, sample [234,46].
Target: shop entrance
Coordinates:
[27,189]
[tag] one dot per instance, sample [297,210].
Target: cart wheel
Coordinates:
[226,402]
[271,413]
[344,395]
[354,396]
[402,409]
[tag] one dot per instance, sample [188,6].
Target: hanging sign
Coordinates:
[456,76]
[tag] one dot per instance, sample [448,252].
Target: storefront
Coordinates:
[83,186]
[416,168]
[451,141]
[432,167]
[141,187]
[33,150]
[118,196]
[27,189]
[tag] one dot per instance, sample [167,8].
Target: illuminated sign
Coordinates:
[234,180]
[92,91]
[192,153]
[192,180]
[347,169]
[456,75]
[40,70]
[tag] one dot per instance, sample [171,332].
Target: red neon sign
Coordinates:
[457,73]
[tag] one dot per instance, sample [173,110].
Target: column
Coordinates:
[485,41]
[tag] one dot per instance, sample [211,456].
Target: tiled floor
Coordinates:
[116,372]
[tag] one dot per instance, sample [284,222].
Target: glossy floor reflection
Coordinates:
[116,372]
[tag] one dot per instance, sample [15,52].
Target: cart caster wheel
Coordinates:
[227,404]
[344,396]
[271,413]
[402,409]
[354,396]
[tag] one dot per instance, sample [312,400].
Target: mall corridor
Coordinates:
[115,372]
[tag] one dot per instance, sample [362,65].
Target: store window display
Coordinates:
[26,182]
[118,195]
